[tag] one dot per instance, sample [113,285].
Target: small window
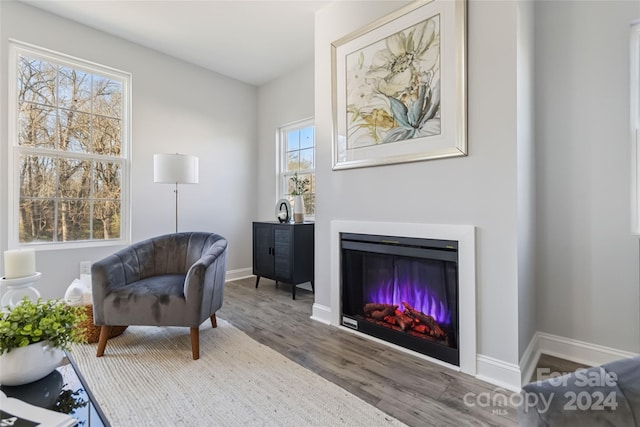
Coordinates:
[68,128]
[298,155]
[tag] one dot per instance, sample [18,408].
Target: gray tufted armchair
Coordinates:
[171,280]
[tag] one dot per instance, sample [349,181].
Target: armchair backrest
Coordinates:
[167,254]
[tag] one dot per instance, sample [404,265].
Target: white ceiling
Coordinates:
[252,41]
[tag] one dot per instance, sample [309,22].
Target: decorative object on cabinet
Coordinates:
[284,253]
[175,169]
[298,209]
[283,210]
[300,186]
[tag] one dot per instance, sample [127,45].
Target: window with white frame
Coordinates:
[298,156]
[69,122]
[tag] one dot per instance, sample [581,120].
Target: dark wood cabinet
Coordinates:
[283,252]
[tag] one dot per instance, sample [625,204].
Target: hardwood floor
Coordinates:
[555,366]
[409,388]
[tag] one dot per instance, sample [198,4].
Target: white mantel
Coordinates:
[463,234]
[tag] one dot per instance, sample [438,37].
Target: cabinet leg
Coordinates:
[257,280]
[293,292]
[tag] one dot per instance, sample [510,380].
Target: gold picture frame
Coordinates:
[399,87]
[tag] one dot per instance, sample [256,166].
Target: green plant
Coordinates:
[30,322]
[299,185]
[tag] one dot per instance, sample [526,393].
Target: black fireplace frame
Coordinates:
[433,249]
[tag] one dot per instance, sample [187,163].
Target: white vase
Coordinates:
[298,209]
[23,365]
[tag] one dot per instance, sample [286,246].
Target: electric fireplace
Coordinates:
[402,290]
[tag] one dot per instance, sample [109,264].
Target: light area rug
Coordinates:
[147,378]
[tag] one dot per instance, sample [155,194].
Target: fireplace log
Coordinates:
[379,314]
[425,319]
[422,328]
[375,306]
[379,311]
[405,322]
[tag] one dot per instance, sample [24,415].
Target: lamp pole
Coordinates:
[175,169]
[176,191]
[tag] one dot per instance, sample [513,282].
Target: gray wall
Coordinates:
[177,107]
[287,99]
[479,190]
[587,264]
[526,170]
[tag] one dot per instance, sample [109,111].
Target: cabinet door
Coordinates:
[303,253]
[263,264]
[283,253]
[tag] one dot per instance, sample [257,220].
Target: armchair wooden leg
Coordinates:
[214,322]
[102,342]
[195,343]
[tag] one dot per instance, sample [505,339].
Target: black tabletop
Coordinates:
[64,390]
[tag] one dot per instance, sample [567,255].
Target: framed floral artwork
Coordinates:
[399,87]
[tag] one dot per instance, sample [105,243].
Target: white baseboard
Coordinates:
[569,349]
[497,372]
[579,351]
[529,360]
[240,273]
[321,313]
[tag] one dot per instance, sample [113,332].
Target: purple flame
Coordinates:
[415,294]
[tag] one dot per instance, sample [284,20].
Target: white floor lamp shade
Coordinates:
[175,169]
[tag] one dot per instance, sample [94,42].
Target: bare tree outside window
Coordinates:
[70,150]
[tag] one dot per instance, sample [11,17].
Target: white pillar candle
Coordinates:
[19,263]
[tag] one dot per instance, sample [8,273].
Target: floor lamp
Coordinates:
[175,169]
